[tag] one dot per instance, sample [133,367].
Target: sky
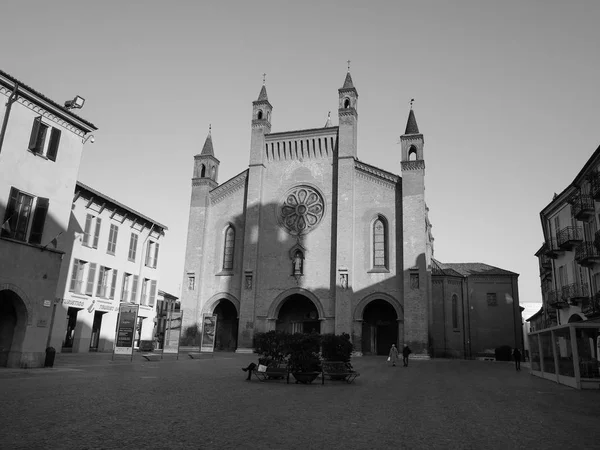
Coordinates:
[506,96]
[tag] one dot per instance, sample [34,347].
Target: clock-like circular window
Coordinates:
[302,210]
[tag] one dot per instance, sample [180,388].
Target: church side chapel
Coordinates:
[310,238]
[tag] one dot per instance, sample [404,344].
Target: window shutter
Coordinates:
[37,122]
[113,285]
[144,291]
[152,293]
[111,232]
[97,233]
[100,291]
[132,246]
[155,255]
[124,288]
[39,219]
[148,248]
[10,217]
[134,288]
[114,241]
[53,146]
[74,275]
[90,282]
[87,229]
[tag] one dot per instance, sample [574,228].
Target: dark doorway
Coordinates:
[227,327]
[8,323]
[71,325]
[298,314]
[138,331]
[379,328]
[96,325]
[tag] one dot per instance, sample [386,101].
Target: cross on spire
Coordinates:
[264,78]
[209,128]
[411,102]
[348,65]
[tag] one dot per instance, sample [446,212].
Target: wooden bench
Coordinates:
[338,370]
[274,372]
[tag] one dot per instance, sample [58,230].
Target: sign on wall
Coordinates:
[209,327]
[126,329]
[172,332]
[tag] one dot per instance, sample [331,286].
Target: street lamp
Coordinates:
[76,103]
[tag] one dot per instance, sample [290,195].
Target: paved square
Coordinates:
[93,403]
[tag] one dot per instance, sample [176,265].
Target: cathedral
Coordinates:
[310,238]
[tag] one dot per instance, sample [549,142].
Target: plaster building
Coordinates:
[569,259]
[113,259]
[41,144]
[310,237]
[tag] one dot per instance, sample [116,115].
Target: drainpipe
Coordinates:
[13,98]
[142,259]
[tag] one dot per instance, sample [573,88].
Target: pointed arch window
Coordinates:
[202,170]
[228,248]
[455,311]
[380,259]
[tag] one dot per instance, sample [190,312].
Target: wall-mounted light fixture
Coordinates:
[89,137]
[76,103]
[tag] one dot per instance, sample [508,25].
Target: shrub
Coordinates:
[304,352]
[272,346]
[336,347]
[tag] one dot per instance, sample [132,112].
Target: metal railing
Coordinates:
[568,236]
[573,292]
[590,306]
[581,205]
[586,253]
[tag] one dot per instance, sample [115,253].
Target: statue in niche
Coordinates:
[248,281]
[298,263]
[344,280]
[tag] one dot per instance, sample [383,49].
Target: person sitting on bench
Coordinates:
[249,369]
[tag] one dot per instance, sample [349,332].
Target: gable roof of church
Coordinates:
[467,269]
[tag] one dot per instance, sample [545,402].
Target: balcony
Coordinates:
[569,237]
[582,207]
[552,249]
[545,274]
[555,300]
[587,255]
[591,306]
[595,185]
[575,293]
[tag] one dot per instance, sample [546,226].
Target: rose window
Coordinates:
[302,210]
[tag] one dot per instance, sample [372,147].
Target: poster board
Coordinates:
[126,324]
[173,333]
[209,328]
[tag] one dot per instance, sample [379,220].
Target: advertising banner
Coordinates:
[209,327]
[126,329]
[173,332]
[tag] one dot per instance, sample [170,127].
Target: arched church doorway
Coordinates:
[298,314]
[13,322]
[227,326]
[379,328]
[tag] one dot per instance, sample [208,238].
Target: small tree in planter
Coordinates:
[272,347]
[337,348]
[304,360]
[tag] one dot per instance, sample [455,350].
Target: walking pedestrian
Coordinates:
[517,356]
[393,356]
[405,352]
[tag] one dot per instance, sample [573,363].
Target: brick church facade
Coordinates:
[311,238]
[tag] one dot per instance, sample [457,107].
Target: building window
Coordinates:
[113,284]
[379,244]
[134,289]
[38,142]
[112,239]
[455,311]
[491,299]
[228,248]
[152,296]
[145,291]
[133,240]
[152,254]
[102,288]
[77,276]
[191,282]
[94,223]
[125,287]
[89,290]
[19,223]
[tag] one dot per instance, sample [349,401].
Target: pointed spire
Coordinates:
[411,124]
[328,123]
[207,150]
[348,84]
[263,91]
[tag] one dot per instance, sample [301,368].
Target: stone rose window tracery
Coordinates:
[302,210]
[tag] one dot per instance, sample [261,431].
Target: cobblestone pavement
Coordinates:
[91,402]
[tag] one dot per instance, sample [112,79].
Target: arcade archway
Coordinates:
[298,314]
[379,328]
[13,323]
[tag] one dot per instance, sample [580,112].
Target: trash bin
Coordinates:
[50,355]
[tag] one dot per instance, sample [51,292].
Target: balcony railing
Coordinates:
[587,255]
[545,262]
[582,207]
[552,248]
[555,299]
[595,185]
[591,306]
[568,237]
[574,293]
